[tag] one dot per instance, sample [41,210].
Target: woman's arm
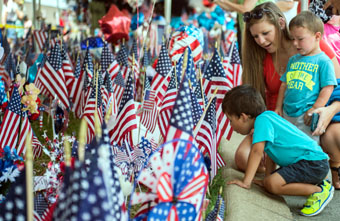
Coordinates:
[321,101]
[325,116]
[336,67]
[248,5]
[280,97]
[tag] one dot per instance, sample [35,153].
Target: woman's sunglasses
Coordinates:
[256,14]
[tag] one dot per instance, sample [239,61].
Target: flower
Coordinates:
[9,174]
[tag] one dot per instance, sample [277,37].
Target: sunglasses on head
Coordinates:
[256,14]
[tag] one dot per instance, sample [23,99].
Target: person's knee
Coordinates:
[271,186]
[330,141]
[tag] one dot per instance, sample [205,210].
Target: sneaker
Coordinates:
[327,184]
[317,201]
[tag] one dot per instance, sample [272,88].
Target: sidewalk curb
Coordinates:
[253,204]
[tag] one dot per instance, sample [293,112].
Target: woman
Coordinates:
[240,6]
[330,138]
[267,46]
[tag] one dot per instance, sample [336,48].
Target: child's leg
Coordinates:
[298,179]
[275,184]
[242,155]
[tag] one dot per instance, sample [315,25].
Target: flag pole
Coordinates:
[202,92]
[82,140]
[29,177]
[185,63]
[175,72]
[141,100]
[67,153]
[98,131]
[205,111]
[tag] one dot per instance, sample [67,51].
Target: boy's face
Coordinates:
[306,42]
[242,124]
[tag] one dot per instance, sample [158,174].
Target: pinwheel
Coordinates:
[177,183]
[183,37]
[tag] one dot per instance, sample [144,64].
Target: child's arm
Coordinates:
[280,96]
[322,100]
[254,160]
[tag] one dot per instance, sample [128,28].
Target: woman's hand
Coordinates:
[279,111]
[308,116]
[240,184]
[325,116]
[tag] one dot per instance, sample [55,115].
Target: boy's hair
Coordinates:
[243,99]
[308,20]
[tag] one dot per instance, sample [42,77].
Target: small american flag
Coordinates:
[108,63]
[25,130]
[126,119]
[122,56]
[51,78]
[195,108]
[5,76]
[217,214]
[15,205]
[149,118]
[149,100]
[201,98]
[10,125]
[162,78]
[88,63]
[181,121]
[214,77]
[118,87]
[167,105]
[67,68]
[40,37]
[76,92]
[233,67]
[89,112]
[206,136]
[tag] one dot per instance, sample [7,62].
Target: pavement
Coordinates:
[257,204]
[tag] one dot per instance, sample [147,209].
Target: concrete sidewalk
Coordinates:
[256,204]
[248,205]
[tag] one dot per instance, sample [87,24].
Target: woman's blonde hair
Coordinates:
[252,54]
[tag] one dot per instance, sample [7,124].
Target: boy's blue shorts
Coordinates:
[305,171]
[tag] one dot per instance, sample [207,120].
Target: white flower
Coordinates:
[9,174]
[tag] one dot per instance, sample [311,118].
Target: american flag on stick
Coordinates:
[126,119]
[181,122]
[76,92]
[167,105]
[51,78]
[162,78]
[215,78]
[10,124]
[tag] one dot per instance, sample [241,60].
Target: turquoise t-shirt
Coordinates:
[305,77]
[285,143]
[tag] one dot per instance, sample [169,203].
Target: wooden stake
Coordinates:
[97,127]
[185,63]
[82,140]
[29,178]
[202,92]
[175,72]
[67,153]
